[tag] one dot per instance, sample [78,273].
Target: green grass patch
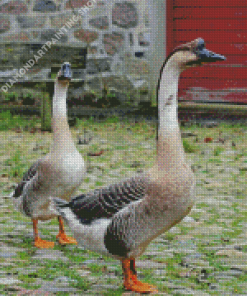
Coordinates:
[218,150]
[9,121]
[188,147]
[96,269]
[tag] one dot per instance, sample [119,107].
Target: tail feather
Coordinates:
[60,203]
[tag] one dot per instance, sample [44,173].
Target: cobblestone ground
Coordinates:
[206,254]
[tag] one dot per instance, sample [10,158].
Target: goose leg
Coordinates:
[38,242]
[130,278]
[63,239]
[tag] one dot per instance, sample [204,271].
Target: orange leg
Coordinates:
[38,242]
[130,278]
[63,239]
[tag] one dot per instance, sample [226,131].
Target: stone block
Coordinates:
[115,84]
[58,21]
[75,4]
[50,33]
[4,24]
[119,85]
[101,22]
[14,7]
[112,42]
[21,36]
[144,39]
[136,66]
[125,15]
[31,22]
[92,49]
[44,6]
[86,35]
[34,35]
[94,84]
[98,65]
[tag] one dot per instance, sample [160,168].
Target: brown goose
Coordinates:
[121,220]
[58,174]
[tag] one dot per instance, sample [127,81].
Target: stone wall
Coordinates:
[116,34]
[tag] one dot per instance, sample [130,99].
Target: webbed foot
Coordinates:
[43,244]
[131,282]
[63,239]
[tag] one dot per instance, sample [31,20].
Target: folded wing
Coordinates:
[105,202]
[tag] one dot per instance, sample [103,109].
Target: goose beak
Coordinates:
[66,73]
[205,55]
[210,56]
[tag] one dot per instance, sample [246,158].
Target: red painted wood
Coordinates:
[214,96]
[169,26]
[208,3]
[211,13]
[213,24]
[223,26]
[217,36]
[218,72]
[236,97]
[236,60]
[211,83]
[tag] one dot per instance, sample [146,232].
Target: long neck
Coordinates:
[169,147]
[62,139]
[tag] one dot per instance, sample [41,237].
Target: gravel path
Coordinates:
[206,254]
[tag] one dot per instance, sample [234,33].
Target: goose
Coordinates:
[122,219]
[58,174]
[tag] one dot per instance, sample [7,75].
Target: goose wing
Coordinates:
[26,178]
[105,202]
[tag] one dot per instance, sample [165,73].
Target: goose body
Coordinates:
[121,220]
[107,220]
[58,174]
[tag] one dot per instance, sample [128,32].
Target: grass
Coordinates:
[189,147]
[125,144]
[218,150]
[9,121]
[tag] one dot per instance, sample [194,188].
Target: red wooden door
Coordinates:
[223,26]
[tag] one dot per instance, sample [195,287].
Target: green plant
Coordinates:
[112,119]
[9,121]
[10,96]
[218,151]
[188,147]
[6,120]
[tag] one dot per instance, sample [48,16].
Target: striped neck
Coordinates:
[169,146]
[167,98]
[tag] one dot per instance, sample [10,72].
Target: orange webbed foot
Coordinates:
[63,239]
[43,244]
[140,287]
[148,286]
[131,282]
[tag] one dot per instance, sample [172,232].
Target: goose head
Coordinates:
[192,54]
[65,74]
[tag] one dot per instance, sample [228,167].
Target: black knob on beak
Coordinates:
[206,55]
[66,72]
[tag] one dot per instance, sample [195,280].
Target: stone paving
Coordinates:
[206,254]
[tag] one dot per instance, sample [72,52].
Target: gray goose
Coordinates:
[122,219]
[58,174]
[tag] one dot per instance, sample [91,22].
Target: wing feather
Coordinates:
[105,202]
[26,178]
